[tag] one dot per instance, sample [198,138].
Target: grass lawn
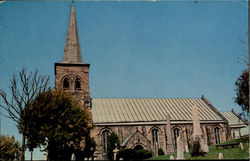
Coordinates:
[229,153]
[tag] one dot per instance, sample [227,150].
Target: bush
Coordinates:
[196,148]
[9,148]
[160,151]
[112,140]
[126,154]
[144,154]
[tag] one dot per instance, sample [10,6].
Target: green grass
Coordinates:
[229,153]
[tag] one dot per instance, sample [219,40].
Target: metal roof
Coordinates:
[233,119]
[131,110]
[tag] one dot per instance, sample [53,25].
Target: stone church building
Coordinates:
[137,121]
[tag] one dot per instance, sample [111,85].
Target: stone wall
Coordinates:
[72,72]
[123,131]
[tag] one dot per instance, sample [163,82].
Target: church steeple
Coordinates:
[72,51]
[72,75]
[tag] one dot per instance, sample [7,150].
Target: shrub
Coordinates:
[112,140]
[128,154]
[160,151]
[144,154]
[196,148]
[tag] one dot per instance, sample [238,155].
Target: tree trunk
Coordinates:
[23,148]
[31,156]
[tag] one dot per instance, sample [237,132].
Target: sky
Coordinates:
[146,49]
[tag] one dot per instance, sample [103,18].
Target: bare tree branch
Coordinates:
[23,90]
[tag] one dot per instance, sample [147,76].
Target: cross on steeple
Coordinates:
[72,51]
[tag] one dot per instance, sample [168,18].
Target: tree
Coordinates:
[58,122]
[242,92]
[88,150]
[23,89]
[112,140]
[9,148]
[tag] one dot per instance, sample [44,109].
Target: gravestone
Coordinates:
[196,122]
[241,146]
[156,149]
[220,156]
[115,151]
[197,134]
[170,145]
[180,149]
[205,148]
[186,149]
[73,157]
[45,157]
[171,157]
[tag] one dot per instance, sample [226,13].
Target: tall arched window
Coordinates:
[66,83]
[155,138]
[105,135]
[233,135]
[217,135]
[78,83]
[176,134]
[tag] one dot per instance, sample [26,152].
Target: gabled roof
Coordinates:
[72,51]
[150,110]
[233,119]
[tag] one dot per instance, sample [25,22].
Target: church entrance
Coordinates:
[138,147]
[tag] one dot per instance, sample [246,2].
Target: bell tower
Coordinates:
[72,74]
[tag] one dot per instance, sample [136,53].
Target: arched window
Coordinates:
[217,135]
[78,83]
[176,134]
[66,83]
[233,135]
[105,135]
[155,138]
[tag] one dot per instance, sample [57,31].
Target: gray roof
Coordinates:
[233,119]
[150,110]
[72,51]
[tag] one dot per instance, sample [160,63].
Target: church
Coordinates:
[137,121]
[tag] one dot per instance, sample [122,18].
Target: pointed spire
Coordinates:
[72,51]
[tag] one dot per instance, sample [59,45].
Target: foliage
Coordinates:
[87,151]
[112,140]
[58,122]
[23,89]
[128,154]
[160,151]
[144,154]
[196,148]
[9,148]
[242,92]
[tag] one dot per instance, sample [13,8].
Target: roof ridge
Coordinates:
[144,98]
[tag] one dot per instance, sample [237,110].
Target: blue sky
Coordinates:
[161,49]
